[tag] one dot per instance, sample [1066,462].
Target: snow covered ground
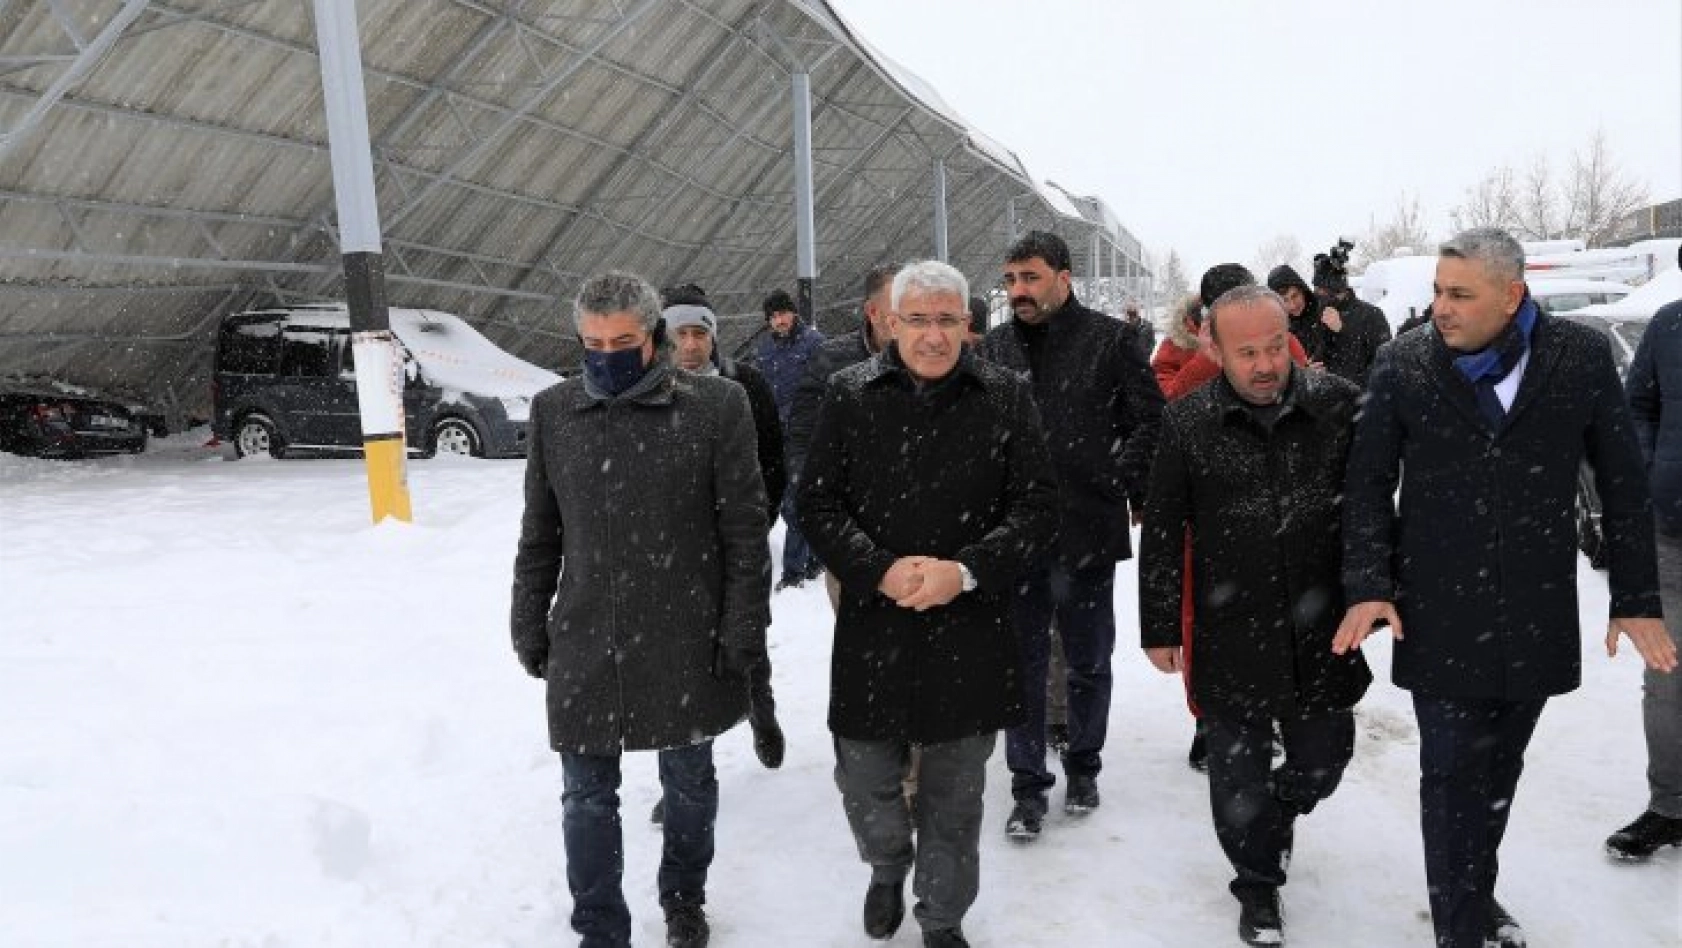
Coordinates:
[235,714]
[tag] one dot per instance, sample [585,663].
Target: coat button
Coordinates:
[1481,508]
[1494,452]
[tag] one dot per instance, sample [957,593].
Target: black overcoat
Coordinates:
[642,551]
[1481,556]
[1263,507]
[1101,408]
[957,470]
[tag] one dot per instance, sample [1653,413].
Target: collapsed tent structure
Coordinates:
[165,162]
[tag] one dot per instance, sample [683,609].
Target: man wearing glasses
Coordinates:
[926,492]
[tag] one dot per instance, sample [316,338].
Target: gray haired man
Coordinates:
[1495,408]
[641,596]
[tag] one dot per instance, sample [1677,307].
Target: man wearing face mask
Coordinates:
[641,595]
[1101,407]
[693,326]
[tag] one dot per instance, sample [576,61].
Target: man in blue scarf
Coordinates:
[1494,409]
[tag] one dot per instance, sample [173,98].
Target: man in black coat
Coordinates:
[1340,332]
[842,352]
[1101,407]
[1253,465]
[641,595]
[1654,387]
[926,550]
[1485,419]
[692,326]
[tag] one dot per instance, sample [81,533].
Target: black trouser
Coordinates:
[1471,752]
[1255,807]
[1082,603]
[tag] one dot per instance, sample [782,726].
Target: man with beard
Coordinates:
[1249,474]
[1101,407]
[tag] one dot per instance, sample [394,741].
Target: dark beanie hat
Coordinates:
[1222,277]
[779,302]
[1283,277]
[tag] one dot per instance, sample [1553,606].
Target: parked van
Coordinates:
[285,384]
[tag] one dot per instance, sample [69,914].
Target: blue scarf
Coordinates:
[1487,367]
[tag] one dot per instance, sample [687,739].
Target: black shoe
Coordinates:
[657,816]
[1057,739]
[884,909]
[1649,833]
[1027,817]
[768,741]
[1503,932]
[1081,797]
[1258,918]
[790,581]
[945,938]
[686,923]
[1198,757]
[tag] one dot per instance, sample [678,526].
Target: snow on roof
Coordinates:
[1662,290]
[452,354]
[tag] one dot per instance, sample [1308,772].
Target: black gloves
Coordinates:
[535,663]
[732,661]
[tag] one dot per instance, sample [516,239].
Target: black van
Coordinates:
[285,384]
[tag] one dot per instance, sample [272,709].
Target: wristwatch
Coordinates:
[967,577]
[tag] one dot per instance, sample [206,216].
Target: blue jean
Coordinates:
[595,847]
[1083,603]
[1471,753]
[797,553]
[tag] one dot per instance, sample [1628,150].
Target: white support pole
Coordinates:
[379,372]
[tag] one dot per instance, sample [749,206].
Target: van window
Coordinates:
[307,353]
[249,349]
[1564,302]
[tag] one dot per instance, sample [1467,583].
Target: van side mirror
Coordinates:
[411,371]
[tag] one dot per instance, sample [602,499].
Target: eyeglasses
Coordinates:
[945,322]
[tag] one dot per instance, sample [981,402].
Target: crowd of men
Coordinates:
[1259,451]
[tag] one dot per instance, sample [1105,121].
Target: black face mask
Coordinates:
[614,372]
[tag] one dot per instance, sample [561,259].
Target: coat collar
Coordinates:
[654,389]
[1544,358]
[1300,397]
[886,366]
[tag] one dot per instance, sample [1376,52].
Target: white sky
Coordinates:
[1210,127]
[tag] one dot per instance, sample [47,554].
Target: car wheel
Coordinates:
[454,436]
[255,436]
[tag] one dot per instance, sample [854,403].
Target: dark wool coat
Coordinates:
[767,429]
[957,471]
[840,352]
[1481,560]
[1655,401]
[1263,508]
[1101,407]
[648,514]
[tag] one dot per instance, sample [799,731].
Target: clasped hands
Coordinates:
[922,582]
